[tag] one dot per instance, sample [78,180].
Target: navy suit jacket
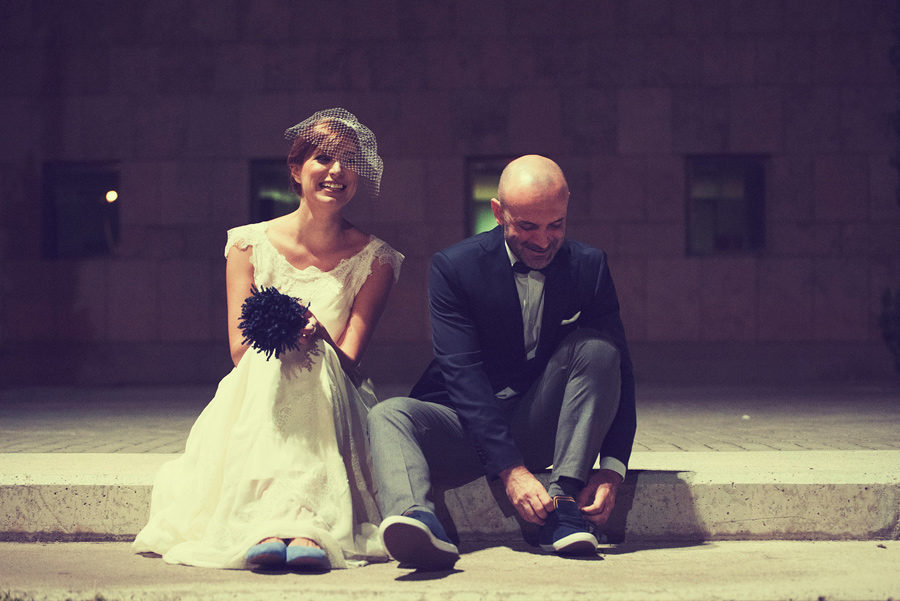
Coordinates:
[479,342]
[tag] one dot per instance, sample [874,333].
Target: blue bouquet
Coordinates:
[272,321]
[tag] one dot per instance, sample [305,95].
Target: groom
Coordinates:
[531,369]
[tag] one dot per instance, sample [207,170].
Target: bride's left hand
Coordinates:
[311,331]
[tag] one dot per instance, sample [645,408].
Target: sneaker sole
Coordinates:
[410,542]
[267,560]
[579,543]
[309,563]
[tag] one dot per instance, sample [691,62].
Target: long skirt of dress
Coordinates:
[279,451]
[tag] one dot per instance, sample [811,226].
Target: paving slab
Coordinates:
[740,571]
[136,419]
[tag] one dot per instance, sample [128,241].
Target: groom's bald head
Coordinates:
[531,205]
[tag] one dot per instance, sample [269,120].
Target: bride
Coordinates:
[276,470]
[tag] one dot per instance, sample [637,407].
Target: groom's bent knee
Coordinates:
[393,413]
[591,347]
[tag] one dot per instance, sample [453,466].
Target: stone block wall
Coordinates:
[185,93]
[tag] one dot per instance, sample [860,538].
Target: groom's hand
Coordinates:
[527,494]
[598,497]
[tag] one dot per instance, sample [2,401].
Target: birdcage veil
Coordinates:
[338,133]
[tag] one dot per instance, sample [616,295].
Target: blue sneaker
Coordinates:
[302,557]
[566,531]
[267,555]
[418,540]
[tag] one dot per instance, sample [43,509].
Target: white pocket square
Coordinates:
[572,319]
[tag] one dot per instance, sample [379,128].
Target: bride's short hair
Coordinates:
[337,133]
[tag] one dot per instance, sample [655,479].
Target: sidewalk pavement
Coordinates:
[710,464]
[826,417]
[737,570]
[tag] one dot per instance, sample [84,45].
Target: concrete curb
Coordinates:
[801,495]
[815,495]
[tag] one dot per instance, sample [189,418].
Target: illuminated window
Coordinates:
[483,175]
[725,204]
[81,209]
[270,190]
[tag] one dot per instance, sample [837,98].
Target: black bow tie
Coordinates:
[520,267]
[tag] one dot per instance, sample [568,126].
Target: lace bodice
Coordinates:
[329,293]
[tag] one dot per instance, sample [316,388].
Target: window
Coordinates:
[725,204]
[270,190]
[81,209]
[482,177]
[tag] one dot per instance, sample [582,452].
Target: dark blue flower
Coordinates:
[272,321]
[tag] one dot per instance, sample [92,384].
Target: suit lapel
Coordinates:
[504,303]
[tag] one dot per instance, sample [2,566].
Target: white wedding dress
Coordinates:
[281,450]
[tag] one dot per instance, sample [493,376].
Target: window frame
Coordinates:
[489,162]
[264,212]
[74,177]
[753,168]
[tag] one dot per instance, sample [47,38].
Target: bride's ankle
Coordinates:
[304,542]
[270,539]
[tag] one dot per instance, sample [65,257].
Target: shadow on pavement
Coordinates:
[425,575]
[663,492]
[634,547]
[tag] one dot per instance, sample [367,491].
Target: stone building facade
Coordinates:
[182,95]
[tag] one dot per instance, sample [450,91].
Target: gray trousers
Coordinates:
[561,420]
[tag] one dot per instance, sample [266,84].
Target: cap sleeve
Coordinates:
[244,236]
[383,253]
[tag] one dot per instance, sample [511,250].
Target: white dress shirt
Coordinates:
[531,299]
